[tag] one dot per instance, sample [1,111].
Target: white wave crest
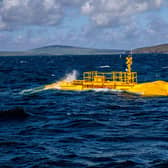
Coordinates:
[32,91]
[165,67]
[70,76]
[105,66]
[106,90]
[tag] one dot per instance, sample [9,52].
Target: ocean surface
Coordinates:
[92,129]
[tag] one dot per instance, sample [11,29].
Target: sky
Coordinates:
[107,24]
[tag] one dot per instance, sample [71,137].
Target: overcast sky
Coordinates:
[113,24]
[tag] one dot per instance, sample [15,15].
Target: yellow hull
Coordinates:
[121,81]
[157,88]
[118,81]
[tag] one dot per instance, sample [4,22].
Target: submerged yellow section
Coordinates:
[157,88]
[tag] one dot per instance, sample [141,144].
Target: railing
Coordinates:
[126,77]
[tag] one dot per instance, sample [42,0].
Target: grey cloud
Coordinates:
[112,12]
[14,13]
[112,22]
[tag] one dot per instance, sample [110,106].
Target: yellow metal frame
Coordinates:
[111,80]
[126,77]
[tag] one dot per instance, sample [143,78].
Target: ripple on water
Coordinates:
[90,129]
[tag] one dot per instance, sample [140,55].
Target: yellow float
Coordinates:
[120,81]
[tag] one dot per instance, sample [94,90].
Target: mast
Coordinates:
[129,70]
[129,63]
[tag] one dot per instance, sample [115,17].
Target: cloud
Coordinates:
[15,13]
[91,23]
[114,12]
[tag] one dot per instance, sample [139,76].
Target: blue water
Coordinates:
[80,129]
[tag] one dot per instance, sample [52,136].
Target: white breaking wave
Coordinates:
[32,91]
[165,67]
[106,90]
[23,62]
[70,76]
[105,66]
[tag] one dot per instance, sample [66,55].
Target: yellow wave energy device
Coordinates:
[121,81]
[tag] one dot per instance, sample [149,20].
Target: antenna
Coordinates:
[131,52]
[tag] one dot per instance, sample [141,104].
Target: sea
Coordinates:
[87,129]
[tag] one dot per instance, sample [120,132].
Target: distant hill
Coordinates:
[64,50]
[72,50]
[163,48]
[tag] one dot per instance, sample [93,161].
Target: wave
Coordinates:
[32,91]
[105,66]
[165,67]
[23,62]
[10,143]
[69,77]
[83,123]
[159,163]
[107,90]
[16,113]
